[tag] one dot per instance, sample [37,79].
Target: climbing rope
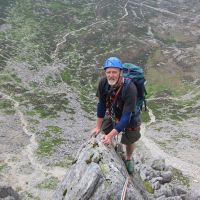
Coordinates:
[123,195]
[124,190]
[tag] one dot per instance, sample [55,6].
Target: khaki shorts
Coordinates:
[128,137]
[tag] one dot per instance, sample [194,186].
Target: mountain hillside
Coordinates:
[51,55]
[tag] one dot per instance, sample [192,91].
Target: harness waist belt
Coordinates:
[132,129]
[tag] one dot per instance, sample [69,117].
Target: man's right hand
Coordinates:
[94,132]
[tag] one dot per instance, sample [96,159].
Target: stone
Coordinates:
[149,174]
[163,197]
[143,175]
[166,176]
[193,195]
[174,198]
[156,185]
[153,180]
[165,190]
[98,169]
[179,190]
[6,192]
[158,164]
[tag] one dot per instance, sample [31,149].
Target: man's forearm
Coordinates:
[99,122]
[113,133]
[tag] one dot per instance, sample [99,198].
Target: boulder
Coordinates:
[98,173]
[166,176]
[158,164]
[6,192]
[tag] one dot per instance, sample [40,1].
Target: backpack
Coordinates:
[135,74]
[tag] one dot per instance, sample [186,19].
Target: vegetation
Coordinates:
[29,196]
[3,166]
[66,162]
[179,178]
[49,183]
[148,187]
[145,116]
[48,146]
[7,107]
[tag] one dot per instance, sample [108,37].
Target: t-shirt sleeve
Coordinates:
[130,98]
[100,90]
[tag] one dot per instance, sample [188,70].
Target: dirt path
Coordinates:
[24,169]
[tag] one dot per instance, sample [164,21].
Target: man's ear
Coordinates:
[121,72]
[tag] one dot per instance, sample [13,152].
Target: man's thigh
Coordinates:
[130,137]
[107,125]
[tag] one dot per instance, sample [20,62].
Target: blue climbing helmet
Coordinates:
[113,62]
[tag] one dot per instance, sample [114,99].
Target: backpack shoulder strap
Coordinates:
[125,86]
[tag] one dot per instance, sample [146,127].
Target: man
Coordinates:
[116,114]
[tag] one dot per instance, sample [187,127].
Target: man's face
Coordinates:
[112,75]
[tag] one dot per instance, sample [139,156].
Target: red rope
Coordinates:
[124,189]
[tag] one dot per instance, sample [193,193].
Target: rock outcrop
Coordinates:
[98,173]
[7,193]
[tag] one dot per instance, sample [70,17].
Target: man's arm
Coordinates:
[101,110]
[95,131]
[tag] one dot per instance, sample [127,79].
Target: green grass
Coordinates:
[66,76]
[46,105]
[65,162]
[4,104]
[180,136]
[50,81]
[3,166]
[145,116]
[49,183]
[162,143]
[46,112]
[179,178]
[48,146]
[29,196]
[7,107]
[54,129]
[51,131]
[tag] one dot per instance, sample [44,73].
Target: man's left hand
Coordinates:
[107,139]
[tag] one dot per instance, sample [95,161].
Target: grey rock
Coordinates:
[156,185]
[90,176]
[156,173]
[156,179]
[165,190]
[152,174]
[166,176]
[158,164]
[174,198]
[143,175]
[193,195]
[179,190]
[8,193]
[137,168]
[8,198]
[163,197]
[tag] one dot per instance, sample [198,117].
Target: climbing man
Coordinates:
[115,113]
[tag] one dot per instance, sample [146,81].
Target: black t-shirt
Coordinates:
[127,103]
